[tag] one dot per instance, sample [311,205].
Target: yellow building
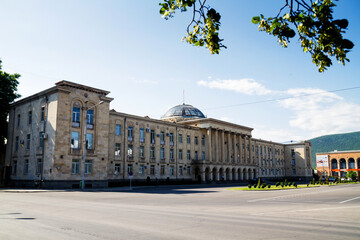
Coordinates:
[60,134]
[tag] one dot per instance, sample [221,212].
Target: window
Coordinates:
[292,153]
[196,140]
[294,171]
[152,152]
[41,139]
[188,139]
[42,114]
[180,138]
[252,148]
[189,171]
[142,135]
[28,142]
[117,129]
[162,153]
[74,140]
[203,141]
[180,154]
[30,117]
[117,149]
[130,169]
[130,134]
[117,168]
[14,170]
[26,167]
[188,155]
[76,114]
[75,167]
[89,141]
[130,150]
[171,135]
[243,146]
[141,152]
[152,169]
[39,166]
[162,170]
[171,154]
[293,162]
[162,138]
[196,155]
[141,170]
[16,143]
[172,172]
[90,117]
[18,120]
[203,155]
[152,136]
[180,171]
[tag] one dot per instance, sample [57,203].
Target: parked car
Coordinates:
[332,179]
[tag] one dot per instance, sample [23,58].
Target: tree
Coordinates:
[351,175]
[319,34]
[8,88]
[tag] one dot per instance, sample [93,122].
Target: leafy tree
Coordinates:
[8,88]
[319,34]
[352,175]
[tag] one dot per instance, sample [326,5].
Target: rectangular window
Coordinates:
[75,167]
[180,138]
[76,114]
[294,171]
[14,169]
[74,140]
[188,155]
[30,117]
[41,139]
[203,155]
[42,114]
[118,130]
[152,169]
[180,154]
[142,149]
[142,135]
[16,143]
[172,172]
[162,170]
[189,171]
[196,140]
[130,169]
[89,141]
[162,138]
[152,152]
[26,167]
[188,139]
[117,168]
[117,149]
[90,117]
[171,154]
[171,135]
[162,153]
[130,150]
[130,134]
[196,155]
[292,153]
[293,162]
[39,166]
[141,170]
[203,141]
[152,136]
[28,142]
[180,171]
[18,120]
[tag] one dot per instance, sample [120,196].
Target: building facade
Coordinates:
[338,163]
[58,134]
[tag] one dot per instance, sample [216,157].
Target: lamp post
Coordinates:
[85,147]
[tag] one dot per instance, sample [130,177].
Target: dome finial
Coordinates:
[183,97]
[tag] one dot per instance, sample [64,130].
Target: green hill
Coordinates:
[340,142]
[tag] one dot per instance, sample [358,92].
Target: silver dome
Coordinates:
[183,112]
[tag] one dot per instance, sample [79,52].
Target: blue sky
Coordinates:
[127,48]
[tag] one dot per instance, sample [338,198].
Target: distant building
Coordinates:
[338,163]
[47,140]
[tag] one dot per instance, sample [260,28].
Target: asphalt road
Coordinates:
[328,212]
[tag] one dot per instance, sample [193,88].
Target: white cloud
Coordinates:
[245,86]
[147,81]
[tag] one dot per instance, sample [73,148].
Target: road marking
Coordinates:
[349,200]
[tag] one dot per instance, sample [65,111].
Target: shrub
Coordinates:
[249,186]
[285,182]
[263,185]
[277,184]
[295,185]
[269,186]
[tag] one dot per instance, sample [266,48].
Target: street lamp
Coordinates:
[85,147]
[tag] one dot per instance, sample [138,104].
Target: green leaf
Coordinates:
[255,20]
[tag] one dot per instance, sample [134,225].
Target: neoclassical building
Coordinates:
[338,163]
[68,131]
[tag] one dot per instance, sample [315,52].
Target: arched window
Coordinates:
[342,163]
[351,163]
[76,115]
[334,164]
[358,163]
[90,117]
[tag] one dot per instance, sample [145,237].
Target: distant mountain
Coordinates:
[340,142]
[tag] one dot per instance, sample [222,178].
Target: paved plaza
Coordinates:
[190,212]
